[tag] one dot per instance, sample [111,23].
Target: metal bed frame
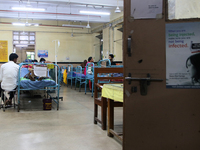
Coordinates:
[70,71]
[79,78]
[48,89]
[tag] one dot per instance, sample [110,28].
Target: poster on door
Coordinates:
[183,55]
[142,9]
[43,53]
[3,51]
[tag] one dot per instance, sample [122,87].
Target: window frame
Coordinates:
[29,34]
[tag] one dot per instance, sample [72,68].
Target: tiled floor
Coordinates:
[70,128]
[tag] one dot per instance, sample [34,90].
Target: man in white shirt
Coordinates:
[9,76]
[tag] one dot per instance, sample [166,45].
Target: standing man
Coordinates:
[9,76]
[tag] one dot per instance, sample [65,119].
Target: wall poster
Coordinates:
[183,55]
[43,53]
[3,51]
[141,9]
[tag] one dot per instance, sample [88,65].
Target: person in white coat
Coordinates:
[9,76]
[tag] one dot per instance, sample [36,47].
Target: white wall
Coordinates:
[77,48]
[95,47]
[112,43]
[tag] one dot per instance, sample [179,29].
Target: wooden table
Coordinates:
[101,101]
[114,94]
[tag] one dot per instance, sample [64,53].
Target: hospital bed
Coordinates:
[107,64]
[71,75]
[46,85]
[80,77]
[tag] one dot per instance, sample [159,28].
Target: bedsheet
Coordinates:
[69,75]
[80,75]
[34,85]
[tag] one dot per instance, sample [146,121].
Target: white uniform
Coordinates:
[9,76]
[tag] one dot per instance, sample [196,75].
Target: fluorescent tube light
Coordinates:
[75,26]
[28,9]
[21,45]
[94,13]
[18,24]
[25,24]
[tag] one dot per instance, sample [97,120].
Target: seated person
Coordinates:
[42,60]
[84,64]
[111,57]
[9,76]
[34,61]
[90,60]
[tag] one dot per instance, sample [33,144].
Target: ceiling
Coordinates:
[68,10]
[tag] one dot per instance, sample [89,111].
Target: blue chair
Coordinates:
[70,74]
[89,76]
[80,77]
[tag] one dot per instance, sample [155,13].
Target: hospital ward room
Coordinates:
[61,75]
[99,74]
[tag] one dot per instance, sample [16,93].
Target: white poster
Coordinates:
[183,55]
[141,9]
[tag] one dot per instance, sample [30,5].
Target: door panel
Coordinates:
[164,119]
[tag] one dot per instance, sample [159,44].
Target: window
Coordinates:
[27,38]
[183,9]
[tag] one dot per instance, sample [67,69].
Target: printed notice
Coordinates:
[183,55]
[141,9]
[3,51]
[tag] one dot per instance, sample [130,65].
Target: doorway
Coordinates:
[24,45]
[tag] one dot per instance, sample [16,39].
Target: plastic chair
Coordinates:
[89,76]
[80,77]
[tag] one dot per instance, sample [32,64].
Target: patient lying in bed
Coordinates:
[37,72]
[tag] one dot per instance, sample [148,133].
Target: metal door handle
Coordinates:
[129,46]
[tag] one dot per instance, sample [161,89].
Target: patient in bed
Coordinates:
[9,76]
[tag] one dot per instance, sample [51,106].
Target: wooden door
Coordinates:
[164,119]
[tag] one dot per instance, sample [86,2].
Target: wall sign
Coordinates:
[3,51]
[183,55]
[43,53]
[141,9]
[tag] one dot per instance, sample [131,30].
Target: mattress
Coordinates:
[34,85]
